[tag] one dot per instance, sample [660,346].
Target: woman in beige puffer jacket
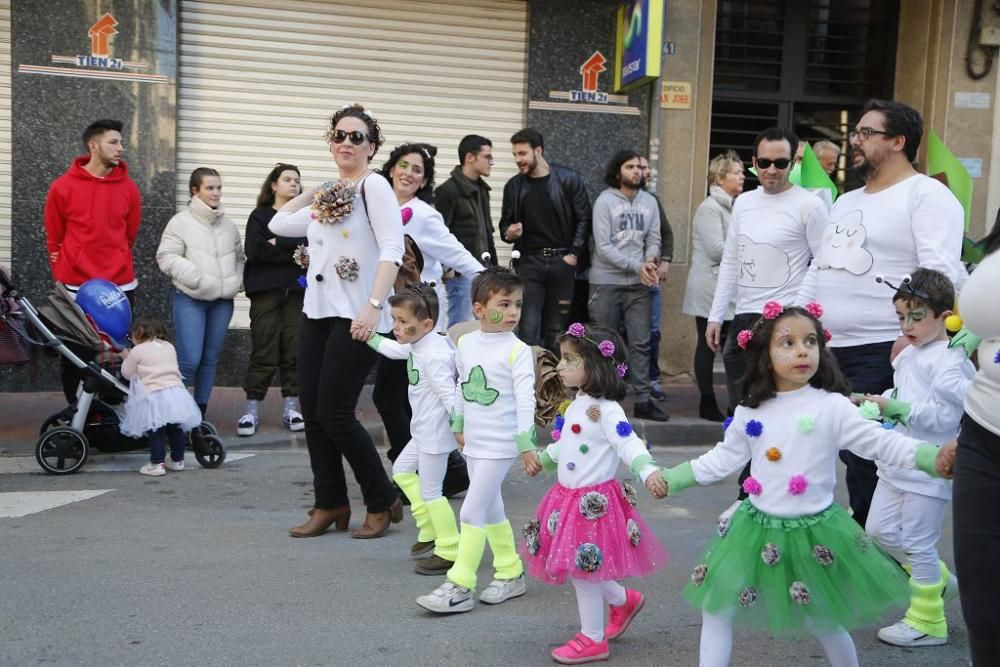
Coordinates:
[202,253]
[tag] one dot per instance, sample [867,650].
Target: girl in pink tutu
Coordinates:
[586,528]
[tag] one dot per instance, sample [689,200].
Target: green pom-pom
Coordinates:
[869,410]
[806,424]
[584,449]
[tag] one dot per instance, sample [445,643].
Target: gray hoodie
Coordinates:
[626,232]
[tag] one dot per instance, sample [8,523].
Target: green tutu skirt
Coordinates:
[793,576]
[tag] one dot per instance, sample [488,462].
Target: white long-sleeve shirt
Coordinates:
[810,452]
[916,223]
[495,397]
[430,370]
[978,306]
[933,380]
[591,456]
[366,239]
[770,242]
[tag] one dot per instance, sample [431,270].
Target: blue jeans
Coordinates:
[200,329]
[654,333]
[158,443]
[612,306]
[459,291]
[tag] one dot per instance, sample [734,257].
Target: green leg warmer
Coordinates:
[471,544]
[926,612]
[409,482]
[445,528]
[506,562]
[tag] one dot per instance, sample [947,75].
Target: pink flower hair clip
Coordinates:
[743,338]
[814,309]
[605,347]
[622,369]
[772,309]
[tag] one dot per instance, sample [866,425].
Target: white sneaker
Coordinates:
[293,420]
[500,590]
[902,634]
[247,425]
[175,466]
[950,591]
[153,470]
[447,598]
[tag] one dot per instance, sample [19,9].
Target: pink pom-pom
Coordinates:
[556,434]
[797,485]
[772,309]
[827,335]
[814,309]
[313,216]
[576,330]
[743,338]
[407,214]
[752,486]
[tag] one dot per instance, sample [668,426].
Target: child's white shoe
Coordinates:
[501,590]
[902,634]
[448,598]
[153,470]
[174,466]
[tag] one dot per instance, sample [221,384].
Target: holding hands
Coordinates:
[656,485]
[945,462]
[530,463]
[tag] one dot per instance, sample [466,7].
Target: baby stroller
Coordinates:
[92,420]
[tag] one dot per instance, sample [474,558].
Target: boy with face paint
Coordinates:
[926,402]
[430,367]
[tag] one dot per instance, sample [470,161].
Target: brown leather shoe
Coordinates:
[375,525]
[320,521]
[396,511]
[433,565]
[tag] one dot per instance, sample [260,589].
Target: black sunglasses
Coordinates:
[357,137]
[780,163]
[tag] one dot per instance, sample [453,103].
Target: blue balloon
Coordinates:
[108,306]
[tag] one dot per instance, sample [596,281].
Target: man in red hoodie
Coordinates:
[92,215]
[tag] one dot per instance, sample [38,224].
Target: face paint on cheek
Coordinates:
[916,315]
[410,330]
[403,164]
[495,316]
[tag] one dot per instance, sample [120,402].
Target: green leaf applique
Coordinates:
[412,374]
[475,389]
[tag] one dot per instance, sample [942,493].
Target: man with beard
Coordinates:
[899,221]
[546,215]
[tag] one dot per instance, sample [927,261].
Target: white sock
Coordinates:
[292,403]
[252,407]
[590,604]
[716,640]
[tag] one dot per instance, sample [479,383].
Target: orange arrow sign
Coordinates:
[100,33]
[590,68]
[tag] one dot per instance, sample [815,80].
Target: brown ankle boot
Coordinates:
[321,519]
[396,511]
[375,525]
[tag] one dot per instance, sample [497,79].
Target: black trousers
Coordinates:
[704,358]
[975,501]
[333,368]
[734,357]
[548,294]
[393,402]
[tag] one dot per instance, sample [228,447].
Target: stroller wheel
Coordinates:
[58,419]
[208,428]
[61,450]
[209,451]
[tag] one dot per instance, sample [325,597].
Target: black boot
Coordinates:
[649,411]
[709,409]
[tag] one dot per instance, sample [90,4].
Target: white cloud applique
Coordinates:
[843,245]
[761,264]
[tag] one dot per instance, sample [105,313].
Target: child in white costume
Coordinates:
[930,381]
[494,415]
[790,559]
[586,527]
[430,369]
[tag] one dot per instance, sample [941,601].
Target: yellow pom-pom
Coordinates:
[953,323]
[563,406]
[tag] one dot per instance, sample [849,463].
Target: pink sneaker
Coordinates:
[581,649]
[619,617]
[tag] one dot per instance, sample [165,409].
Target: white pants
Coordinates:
[432,468]
[591,599]
[902,521]
[717,643]
[483,504]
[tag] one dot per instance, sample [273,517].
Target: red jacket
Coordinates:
[91,224]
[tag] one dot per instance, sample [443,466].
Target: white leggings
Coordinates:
[906,522]
[432,468]
[483,504]
[591,599]
[717,643]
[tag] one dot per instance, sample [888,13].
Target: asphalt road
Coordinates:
[197,568]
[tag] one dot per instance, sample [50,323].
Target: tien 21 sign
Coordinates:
[638,41]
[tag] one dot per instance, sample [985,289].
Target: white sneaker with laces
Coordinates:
[902,634]
[247,425]
[175,466]
[153,470]
[501,590]
[448,598]
[293,420]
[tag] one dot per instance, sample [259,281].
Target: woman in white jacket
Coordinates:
[711,224]
[202,253]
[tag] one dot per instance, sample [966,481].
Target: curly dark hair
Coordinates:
[931,283]
[494,280]
[900,121]
[148,328]
[613,169]
[758,380]
[602,379]
[356,110]
[426,153]
[421,299]
[266,196]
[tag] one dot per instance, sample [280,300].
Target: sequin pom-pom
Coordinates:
[593,413]
[624,429]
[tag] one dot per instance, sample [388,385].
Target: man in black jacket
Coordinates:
[464,202]
[546,215]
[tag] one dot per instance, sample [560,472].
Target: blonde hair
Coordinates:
[721,165]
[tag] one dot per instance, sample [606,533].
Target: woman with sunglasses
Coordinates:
[271,279]
[355,250]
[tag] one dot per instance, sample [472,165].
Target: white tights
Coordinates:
[591,599]
[717,643]
[431,467]
[483,504]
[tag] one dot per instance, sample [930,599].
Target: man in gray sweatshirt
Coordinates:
[626,239]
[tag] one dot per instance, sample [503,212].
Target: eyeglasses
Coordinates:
[357,137]
[780,163]
[865,133]
[489,158]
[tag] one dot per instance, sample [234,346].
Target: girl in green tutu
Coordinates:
[789,560]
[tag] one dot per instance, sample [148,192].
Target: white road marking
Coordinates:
[22,503]
[105,463]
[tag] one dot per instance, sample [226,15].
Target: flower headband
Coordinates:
[605,347]
[772,309]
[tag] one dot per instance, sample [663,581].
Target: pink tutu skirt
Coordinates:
[592,533]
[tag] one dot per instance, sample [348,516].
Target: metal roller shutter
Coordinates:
[260,79]
[5,132]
